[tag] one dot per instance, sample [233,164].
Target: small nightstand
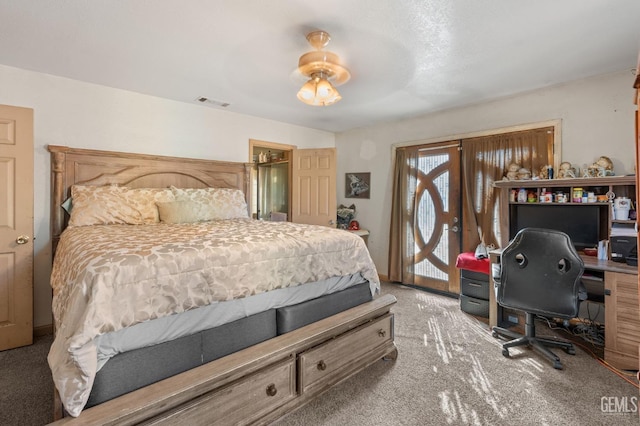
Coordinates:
[363,233]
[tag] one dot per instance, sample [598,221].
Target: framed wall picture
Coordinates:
[357,185]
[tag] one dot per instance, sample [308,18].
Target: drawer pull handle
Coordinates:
[271,390]
[322,365]
[382,333]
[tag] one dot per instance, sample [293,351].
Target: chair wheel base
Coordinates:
[540,344]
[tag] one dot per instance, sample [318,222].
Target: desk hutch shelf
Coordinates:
[617,186]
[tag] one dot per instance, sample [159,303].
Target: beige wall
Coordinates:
[82,115]
[597,118]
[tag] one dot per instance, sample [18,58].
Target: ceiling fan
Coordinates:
[324,71]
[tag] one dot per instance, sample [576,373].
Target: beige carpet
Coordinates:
[449,371]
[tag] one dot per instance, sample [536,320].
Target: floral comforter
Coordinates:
[108,277]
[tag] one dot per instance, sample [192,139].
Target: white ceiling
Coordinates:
[407,57]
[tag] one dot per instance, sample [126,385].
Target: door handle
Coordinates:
[22,239]
[455,228]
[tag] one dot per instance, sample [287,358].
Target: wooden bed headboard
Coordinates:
[71,166]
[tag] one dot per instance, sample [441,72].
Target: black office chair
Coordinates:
[540,274]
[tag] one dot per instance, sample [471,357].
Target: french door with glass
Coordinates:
[437,224]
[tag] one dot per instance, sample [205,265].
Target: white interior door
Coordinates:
[16,227]
[313,192]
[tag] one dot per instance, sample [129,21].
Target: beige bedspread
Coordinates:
[108,277]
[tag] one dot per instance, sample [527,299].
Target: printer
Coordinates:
[624,249]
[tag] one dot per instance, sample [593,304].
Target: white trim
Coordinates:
[457,144]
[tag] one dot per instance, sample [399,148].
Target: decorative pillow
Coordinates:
[223,203]
[145,199]
[109,205]
[184,211]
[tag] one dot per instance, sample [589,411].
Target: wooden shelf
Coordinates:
[534,203]
[272,163]
[577,182]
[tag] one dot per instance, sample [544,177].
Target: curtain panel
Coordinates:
[401,235]
[485,160]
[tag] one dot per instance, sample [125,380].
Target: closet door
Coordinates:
[16,227]
[313,186]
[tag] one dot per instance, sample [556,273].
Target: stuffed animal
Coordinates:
[345,215]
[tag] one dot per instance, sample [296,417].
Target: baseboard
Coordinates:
[383,277]
[43,330]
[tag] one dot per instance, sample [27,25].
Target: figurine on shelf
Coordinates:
[566,171]
[601,168]
[524,174]
[512,172]
[605,165]
[546,172]
[593,171]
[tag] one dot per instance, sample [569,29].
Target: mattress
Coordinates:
[140,367]
[108,278]
[168,328]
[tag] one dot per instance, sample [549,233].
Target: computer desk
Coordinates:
[621,302]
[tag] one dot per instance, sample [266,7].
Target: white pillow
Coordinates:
[184,211]
[222,203]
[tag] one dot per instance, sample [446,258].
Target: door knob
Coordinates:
[455,228]
[22,239]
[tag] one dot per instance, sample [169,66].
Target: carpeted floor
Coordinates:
[449,371]
[26,388]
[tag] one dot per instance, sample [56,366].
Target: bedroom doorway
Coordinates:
[271,180]
[16,227]
[295,185]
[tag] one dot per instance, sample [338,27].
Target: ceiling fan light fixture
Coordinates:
[324,71]
[307,92]
[318,91]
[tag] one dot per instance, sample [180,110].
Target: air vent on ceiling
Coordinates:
[204,99]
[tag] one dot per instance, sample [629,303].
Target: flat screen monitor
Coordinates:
[581,223]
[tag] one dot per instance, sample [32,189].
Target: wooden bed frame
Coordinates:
[256,385]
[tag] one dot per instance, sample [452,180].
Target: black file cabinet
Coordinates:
[474,293]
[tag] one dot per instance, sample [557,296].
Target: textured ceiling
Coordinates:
[407,57]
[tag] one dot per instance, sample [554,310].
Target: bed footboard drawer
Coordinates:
[335,360]
[243,401]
